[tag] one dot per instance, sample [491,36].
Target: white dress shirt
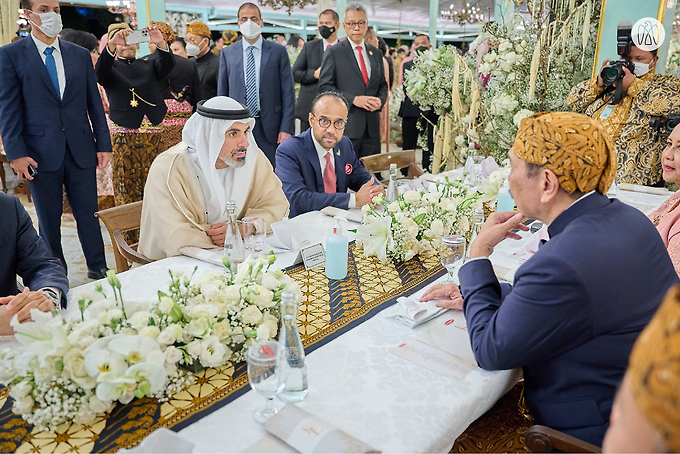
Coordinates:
[321,152]
[367,62]
[257,54]
[326,44]
[61,75]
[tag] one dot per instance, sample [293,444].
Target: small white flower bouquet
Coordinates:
[489,186]
[74,370]
[416,222]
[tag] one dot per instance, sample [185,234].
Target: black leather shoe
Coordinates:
[97,274]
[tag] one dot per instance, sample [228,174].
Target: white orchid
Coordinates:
[376,236]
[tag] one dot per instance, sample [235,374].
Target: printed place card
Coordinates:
[432,358]
[313,256]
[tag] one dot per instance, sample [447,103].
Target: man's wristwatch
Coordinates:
[51,294]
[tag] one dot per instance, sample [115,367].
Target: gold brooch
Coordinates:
[135,96]
[370,52]
[134,103]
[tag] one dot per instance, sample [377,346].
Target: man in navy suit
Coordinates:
[24,253]
[52,118]
[318,166]
[578,304]
[257,73]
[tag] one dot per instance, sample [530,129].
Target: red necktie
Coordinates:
[328,46]
[329,176]
[363,65]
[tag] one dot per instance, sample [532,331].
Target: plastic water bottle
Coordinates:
[337,250]
[392,193]
[233,243]
[505,200]
[291,361]
[477,224]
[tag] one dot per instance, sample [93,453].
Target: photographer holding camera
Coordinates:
[625,97]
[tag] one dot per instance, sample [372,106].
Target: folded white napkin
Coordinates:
[643,189]
[354,214]
[284,237]
[411,312]
[162,441]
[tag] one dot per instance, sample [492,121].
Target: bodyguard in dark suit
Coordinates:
[317,167]
[24,253]
[576,306]
[360,77]
[307,67]
[51,117]
[257,73]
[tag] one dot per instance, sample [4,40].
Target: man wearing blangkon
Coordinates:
[647,95]
[576,306]
[189,185]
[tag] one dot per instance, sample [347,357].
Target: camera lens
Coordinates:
[610,74]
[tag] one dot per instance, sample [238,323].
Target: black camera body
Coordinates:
[663,126]
[612,75]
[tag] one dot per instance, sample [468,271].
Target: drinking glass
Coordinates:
[452,254]
[254,233]
[477,176]
[264,377]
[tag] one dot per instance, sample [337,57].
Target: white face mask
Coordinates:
[250,29]
[641,69]
[51,23]
[193,50]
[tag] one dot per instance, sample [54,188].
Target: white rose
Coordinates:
[85,415]
[485,68]
[490,57]
[272,324]
[221,329]
[194,348]
[464,224]
[505,45]
[99,406]
[437,228]
[23,406]
[393,207]
[412,196]
[150,331]
[251,315]
[74,368]
[237,334]
[505,65]
[166,337]
[270,282]
[20,390]
[173,354]
[165,305]
[262,333]
[86,342]
[176,331]
[139,320]
[198,327]
[232,293]
[460,140]
[264,299]
[511,58]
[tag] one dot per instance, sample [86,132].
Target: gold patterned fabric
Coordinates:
[199,28]
[166,31]
[133,153]
[329,309]
[575,147]
[638,153]
[654,370]
[174,121]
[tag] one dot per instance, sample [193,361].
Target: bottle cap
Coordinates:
[335,230]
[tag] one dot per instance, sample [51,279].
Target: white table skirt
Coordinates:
[354,382]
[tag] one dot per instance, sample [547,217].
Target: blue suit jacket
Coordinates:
[35,123]
[277,91]
[24,253]
[298,168]
[573,313]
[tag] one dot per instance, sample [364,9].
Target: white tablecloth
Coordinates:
[354,382]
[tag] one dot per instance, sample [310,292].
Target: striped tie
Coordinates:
[251,84]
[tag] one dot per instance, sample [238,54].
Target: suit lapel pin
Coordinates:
[370,52]
[338,152]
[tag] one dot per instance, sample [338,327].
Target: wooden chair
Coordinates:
[119,220]
[403,159]
[544,439]
[3,160]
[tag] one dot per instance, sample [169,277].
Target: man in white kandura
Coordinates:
[189,185]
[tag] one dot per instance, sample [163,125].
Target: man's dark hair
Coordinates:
[26,4]
[401,51]
[181,40]
[422,34]
[336,18]
[81,38]
[332,94]
[252,5]
[382,45]
[293,41]
[216,35]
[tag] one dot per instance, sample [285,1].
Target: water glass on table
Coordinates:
[254,232]
[452,255]
[264,377]
[477,175]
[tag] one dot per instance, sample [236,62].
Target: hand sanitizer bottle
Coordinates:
[337,250]
[233,243]
[505,200]
[392,193]
[291,361]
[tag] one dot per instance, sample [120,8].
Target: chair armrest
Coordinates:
[544,439]
[127,252]
[414,171]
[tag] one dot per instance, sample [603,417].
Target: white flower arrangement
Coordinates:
[416,222]
[489,186]
[74,370]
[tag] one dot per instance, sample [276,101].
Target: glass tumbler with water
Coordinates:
[254,233]
[452,255]
[291,352]
[264,376]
